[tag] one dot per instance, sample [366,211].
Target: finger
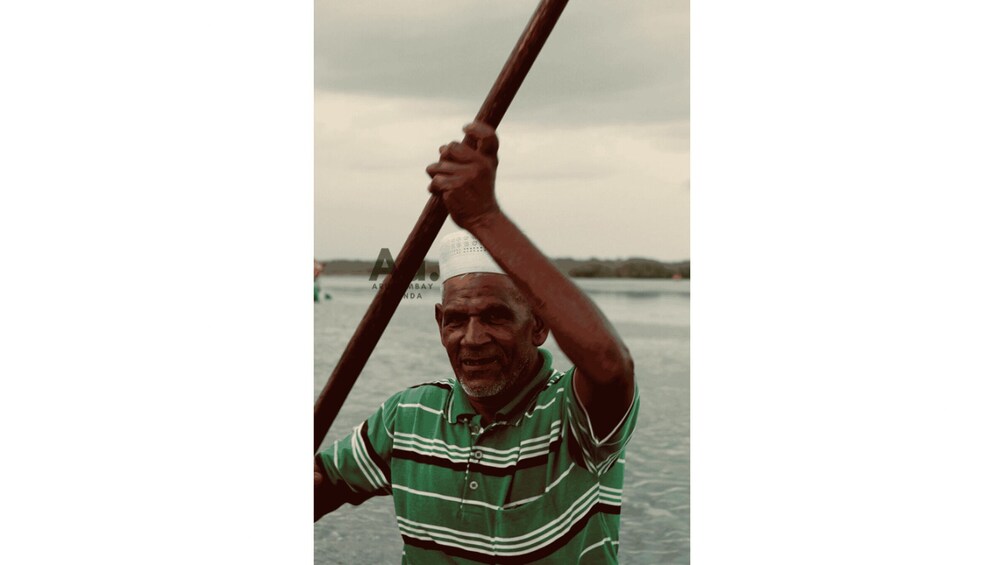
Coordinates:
[484,134]
[479,130]
[441,183]
[439,187]
[458,152]
[443,167]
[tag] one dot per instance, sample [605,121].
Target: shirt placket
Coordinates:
[472,479]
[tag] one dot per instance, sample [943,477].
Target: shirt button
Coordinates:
[474,485]
[477,455]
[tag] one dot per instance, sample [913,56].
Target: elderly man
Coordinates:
[513,461]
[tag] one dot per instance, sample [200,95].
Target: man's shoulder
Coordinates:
[557,381]
[417,401]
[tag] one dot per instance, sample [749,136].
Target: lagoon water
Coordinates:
[652,317]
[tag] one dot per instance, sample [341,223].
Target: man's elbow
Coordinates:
[616,367]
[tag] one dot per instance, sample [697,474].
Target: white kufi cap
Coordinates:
[460,253]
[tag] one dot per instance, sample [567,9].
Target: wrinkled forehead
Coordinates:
[481,286]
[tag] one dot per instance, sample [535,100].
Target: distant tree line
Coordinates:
[631,268]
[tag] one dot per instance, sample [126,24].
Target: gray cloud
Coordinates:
[604,62]
[597,136]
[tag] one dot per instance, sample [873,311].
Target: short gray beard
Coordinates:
[498,387]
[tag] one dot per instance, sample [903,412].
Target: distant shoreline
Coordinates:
[631,268]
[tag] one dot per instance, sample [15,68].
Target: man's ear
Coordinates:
[439,323]
[540,331]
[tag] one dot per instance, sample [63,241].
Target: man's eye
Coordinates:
[494,317]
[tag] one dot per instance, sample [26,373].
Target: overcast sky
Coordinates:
[594,158]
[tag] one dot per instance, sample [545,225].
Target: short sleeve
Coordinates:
[598,454]
[360,461]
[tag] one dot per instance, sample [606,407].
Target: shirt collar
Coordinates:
[460,406]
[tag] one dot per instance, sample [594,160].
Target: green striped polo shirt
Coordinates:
[535,485]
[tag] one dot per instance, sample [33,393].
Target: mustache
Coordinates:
[480,354]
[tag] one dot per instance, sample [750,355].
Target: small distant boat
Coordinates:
[318,267]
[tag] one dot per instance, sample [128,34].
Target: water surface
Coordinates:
[652,317]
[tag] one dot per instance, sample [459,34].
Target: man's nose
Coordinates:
[474,333]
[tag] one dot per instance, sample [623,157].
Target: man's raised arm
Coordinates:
[604,370]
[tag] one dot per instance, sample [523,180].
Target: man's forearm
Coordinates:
[581,330]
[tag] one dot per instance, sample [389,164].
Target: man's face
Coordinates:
[489,332]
